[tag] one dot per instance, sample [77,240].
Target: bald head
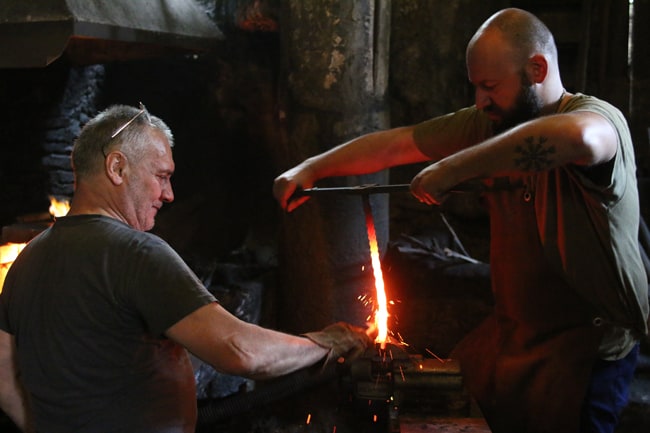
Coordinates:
[512,63]
[524,34]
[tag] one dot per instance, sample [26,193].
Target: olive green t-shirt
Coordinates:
[586,221]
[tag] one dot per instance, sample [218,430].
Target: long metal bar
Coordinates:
[359,189]
[381,189]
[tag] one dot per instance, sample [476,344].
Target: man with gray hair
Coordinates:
[96,313]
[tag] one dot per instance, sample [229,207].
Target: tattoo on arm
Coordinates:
[535,155]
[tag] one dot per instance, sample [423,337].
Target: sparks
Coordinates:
[434,355]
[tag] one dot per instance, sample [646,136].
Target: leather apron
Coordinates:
[528,364]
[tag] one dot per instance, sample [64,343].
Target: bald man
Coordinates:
[571,302]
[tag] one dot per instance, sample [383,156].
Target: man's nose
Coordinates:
[168,193]
[482,99]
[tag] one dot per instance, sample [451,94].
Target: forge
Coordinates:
[389,386]
[401,384]
[383,391]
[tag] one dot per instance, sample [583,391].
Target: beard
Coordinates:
[527,106]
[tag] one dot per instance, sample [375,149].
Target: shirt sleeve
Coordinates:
[614,186]
[164,289]
[444,135]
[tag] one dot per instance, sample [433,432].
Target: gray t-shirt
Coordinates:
[88,302]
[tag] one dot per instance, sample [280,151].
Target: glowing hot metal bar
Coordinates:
[381,312]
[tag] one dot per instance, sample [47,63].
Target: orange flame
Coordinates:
[9,251]
[381,311]
[59,208]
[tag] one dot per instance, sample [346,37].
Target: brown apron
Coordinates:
[528,364]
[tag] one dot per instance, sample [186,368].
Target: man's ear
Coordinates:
[537,68]
[115,166]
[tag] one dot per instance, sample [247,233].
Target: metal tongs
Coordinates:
[373,188]
[359,189]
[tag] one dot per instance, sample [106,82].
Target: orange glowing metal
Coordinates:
[381,311]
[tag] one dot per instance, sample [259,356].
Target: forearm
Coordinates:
[367,154]
[279,354]
[236,347]
[539,145]
[543,144]
[13,398]
[14,403]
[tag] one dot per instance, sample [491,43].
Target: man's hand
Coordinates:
[343,340]
[286,185]
[432,185]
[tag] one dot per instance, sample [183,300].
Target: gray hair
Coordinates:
[119,127]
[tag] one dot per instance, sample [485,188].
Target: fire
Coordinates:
[9,251]
[381,311]
[59,208]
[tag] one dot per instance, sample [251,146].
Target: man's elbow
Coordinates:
[596,142]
